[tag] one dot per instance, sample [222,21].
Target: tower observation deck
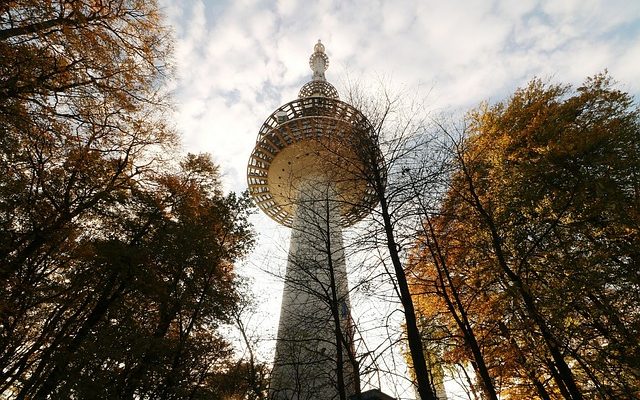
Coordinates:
[306,172]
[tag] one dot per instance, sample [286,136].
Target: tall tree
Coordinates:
[396,143]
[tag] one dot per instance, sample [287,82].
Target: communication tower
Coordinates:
[307,172]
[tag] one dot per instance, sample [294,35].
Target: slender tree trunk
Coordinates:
[522,360]
[108,296]
[132,382]
[338,337]
[413,334]
[472,387]
[333,301]
[558,379]
[458,310]
[252,380]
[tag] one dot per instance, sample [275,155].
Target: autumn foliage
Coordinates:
[528,273]
[116,267]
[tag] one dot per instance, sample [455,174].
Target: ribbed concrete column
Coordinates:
[305,365]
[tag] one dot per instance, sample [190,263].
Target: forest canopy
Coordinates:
[116,265]
[528,273]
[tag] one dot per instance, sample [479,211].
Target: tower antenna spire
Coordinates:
[318,85]
[319,62]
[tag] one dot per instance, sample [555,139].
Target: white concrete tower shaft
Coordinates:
[315,333]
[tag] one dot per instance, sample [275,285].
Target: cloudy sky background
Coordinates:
[239,60]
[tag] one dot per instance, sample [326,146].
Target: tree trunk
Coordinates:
[458,311]
[413,334]
[106,299]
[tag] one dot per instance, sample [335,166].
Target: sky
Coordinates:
[237,61]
